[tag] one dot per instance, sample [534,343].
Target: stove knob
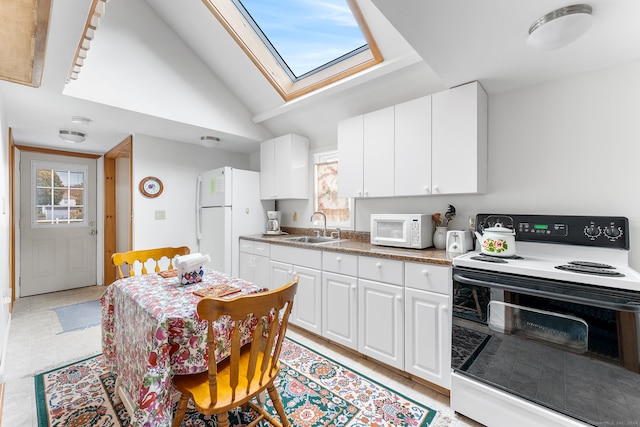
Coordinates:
[613,233]
[592,231]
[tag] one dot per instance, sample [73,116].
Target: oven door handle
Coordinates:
[630,305]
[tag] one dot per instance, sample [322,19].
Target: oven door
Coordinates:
[566,347]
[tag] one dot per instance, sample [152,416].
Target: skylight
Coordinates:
[305,35]
[300,45]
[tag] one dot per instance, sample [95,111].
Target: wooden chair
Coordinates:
[142,256]
[250,369]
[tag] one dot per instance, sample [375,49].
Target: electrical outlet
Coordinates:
[295,216]
[159,214]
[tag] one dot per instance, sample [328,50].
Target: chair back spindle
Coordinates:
[250,368]
[132,258]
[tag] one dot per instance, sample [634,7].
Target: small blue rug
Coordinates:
[79,316]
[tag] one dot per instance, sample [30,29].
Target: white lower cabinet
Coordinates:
[307,305]
[428,323]
[254,262]
[340,309]
[381,322]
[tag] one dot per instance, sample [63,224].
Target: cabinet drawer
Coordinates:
[427,277]
[261,248]
[336,262]
[297,256]
[246,246]
[381,270]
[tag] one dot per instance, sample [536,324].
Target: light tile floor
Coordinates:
[36,345]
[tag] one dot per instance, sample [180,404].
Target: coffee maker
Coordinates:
[273,222]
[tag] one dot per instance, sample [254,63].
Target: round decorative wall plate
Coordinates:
[151,186]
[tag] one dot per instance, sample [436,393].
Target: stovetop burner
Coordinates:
[590,264]
[495,259]
[590,268]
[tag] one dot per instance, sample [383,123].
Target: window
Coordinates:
[58,193]
[337,209]
[253,24]
[304,36]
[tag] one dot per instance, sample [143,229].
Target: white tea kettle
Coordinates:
[497,241]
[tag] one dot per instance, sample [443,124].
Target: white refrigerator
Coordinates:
[228,206]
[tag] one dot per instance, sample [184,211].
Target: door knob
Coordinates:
[93,232]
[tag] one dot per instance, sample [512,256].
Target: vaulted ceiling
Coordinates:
[169,69]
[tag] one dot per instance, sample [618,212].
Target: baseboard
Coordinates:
[3,356]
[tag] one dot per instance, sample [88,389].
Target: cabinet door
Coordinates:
[279,274]
[413,147]
[308,301]
[459,140]
[267,169]
[381,322]
[246,266]
[350,152]
[340,309]
[428,332]
[261,271]
[378,153]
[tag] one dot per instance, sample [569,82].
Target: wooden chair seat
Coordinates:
[132,258]
[250,369]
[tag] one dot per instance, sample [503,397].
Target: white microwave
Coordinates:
[414,231]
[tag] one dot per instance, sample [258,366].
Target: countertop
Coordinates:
[359,247]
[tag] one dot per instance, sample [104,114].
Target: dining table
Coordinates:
[151,331]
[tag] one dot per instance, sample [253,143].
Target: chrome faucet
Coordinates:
[324,233]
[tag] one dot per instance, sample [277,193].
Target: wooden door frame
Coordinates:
[123,149]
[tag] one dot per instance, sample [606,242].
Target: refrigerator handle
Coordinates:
[198,210]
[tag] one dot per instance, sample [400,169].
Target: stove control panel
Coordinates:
[600,231]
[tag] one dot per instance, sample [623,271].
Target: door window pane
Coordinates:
[59,196]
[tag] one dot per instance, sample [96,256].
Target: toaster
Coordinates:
[459,241]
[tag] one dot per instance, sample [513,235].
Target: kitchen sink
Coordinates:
[311,239]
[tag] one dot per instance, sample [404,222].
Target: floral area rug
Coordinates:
[316,391]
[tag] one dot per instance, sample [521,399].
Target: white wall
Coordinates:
[5,285]
[570,147]
[177,165]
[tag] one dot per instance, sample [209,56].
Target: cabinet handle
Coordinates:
[359,193]
[426,189]
[436,189]
[425,272]
[366,194]
[338,259]
[379,264]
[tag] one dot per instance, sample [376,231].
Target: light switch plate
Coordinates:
[159,214]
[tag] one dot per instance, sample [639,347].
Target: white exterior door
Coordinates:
[58,243]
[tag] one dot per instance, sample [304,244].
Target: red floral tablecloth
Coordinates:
[150,331]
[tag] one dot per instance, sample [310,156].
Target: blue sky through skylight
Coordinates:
[307,33]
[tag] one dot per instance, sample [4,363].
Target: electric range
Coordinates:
[550,336]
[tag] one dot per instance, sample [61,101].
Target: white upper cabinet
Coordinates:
[284,168]
[350,163]
[459,140]
[413,147]
[378,153]
[436,144]
[365,152]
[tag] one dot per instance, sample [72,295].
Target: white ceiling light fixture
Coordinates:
[560,27]
[79,120]
[210,141]
[71,136]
